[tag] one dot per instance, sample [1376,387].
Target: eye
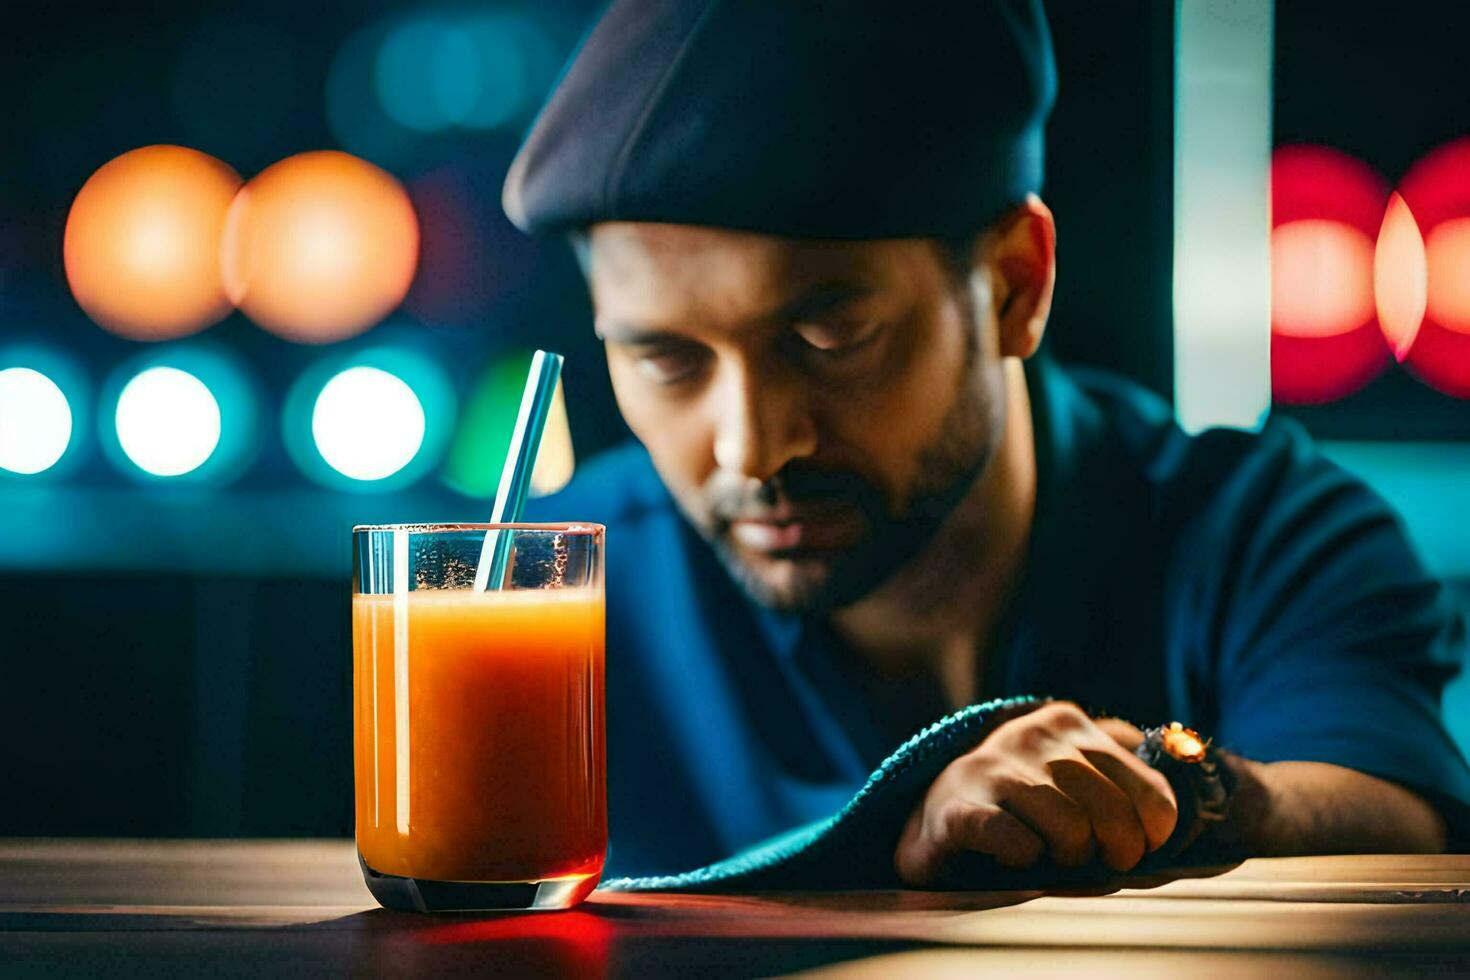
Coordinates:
[836,340]
[668,364]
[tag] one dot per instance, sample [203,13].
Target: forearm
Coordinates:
[1284,808]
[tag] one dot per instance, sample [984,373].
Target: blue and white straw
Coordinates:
[520,463]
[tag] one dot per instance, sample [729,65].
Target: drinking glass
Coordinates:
[479,750]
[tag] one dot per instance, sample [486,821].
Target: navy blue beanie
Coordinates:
[805,118]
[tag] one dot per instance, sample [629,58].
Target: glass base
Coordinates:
[427,895]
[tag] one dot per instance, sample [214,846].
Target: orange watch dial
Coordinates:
[1184,744]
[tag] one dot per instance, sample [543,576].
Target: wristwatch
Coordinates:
[1203,784]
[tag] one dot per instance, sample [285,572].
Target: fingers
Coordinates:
[1048,783]
[1125,734]
[1149,792]
[1055,817]
[987,829]
[1107,744]
[930,843]
[1115,824]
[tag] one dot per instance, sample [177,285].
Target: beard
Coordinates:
[892,536]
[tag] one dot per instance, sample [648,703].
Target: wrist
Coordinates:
[1245,830]
[1220,803]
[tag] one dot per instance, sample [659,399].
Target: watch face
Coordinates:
[1184,744]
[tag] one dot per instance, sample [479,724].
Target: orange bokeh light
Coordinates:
[1399,279]
[1447,252]
[320,246]
[1321,278]
[142,242]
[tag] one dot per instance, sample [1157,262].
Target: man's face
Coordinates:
[805,402]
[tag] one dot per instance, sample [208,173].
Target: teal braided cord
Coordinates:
[854,847]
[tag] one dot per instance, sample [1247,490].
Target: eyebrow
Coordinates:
[613,332]
[820,300]
[811,304]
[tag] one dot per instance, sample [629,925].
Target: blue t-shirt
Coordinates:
[1240,583]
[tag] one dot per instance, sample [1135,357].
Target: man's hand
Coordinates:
[1050,784]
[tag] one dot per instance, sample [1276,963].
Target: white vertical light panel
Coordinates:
[1222,213]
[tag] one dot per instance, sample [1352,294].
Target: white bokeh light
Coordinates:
[367,424]
[168,422]
[35,421]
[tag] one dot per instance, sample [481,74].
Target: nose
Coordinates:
[762,421]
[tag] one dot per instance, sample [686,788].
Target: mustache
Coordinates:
[794,487]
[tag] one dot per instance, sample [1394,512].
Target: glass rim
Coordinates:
[568,527]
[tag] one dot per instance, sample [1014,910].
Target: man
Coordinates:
[862,501]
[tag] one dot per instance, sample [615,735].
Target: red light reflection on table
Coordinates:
[575,943]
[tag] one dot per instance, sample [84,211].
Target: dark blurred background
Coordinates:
[174,652]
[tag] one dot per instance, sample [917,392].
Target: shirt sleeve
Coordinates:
[1318,633]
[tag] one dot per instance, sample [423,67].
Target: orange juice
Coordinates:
[478,721]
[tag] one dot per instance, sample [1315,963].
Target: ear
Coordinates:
[1021,252]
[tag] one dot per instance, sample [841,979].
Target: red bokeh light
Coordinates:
[1326,208]
[469,255]
[1437,190]
[1447,254]
[1321,278]
[1320,182]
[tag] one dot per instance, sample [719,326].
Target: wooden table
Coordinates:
[298,908]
